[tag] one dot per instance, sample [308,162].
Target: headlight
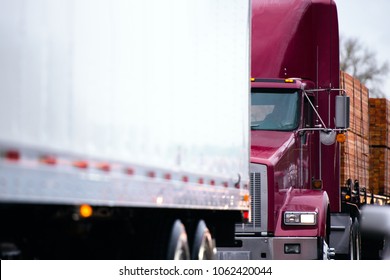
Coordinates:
[300,218]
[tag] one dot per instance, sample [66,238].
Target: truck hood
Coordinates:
[267,147]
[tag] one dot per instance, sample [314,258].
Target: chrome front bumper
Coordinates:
[273,248]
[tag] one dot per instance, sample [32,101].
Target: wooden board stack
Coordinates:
[380,145]
[355,152]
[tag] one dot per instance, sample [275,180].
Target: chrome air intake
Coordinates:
[259,201]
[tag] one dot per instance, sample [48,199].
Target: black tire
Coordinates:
[204,246]
[355,241]
[178,248]
[9,251]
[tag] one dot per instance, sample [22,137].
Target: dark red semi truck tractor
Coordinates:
[297,112]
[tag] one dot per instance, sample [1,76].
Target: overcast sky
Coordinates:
[370,22]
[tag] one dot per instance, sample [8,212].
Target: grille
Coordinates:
[259,201]
[255,191]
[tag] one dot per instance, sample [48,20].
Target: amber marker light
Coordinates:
[86,211]
[340,138]
[317,184]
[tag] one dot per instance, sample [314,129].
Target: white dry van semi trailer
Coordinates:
[123,127]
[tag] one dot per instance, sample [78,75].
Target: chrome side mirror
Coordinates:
[342,111]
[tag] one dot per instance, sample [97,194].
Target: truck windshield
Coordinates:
[274,110]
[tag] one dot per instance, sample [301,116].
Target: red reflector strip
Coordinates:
[246,215]
[80,164]
[12,155]
[49,160]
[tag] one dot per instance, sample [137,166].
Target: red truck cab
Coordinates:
[297,110]
[284,151]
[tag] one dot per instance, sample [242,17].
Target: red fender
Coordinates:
[305,201]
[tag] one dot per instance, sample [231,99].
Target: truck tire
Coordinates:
[204,245]
[355,241]
[178,248]
[9,251]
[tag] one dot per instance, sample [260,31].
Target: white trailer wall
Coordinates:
[162,83]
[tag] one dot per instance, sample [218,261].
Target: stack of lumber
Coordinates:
[355,152]
[355,160]
[379,122]
[380,145]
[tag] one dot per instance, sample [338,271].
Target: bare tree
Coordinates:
[361,62]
